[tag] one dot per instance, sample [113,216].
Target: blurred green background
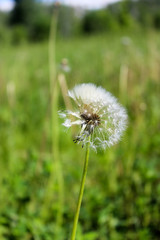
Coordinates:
[117,47]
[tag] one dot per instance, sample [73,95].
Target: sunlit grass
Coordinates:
[121,196]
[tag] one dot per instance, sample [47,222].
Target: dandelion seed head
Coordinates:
[64,65]
[97,114]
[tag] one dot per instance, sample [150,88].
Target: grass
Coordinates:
[121,198]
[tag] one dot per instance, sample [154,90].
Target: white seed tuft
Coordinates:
[98,114]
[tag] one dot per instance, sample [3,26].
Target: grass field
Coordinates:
[38,193]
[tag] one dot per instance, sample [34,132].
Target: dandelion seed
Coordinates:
[98,114]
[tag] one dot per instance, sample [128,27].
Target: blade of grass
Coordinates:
[55,182]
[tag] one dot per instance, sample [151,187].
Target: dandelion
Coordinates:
[64,65]
[126,41]
[97,114]
[101,121]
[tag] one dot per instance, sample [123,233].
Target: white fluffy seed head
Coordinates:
[97,114]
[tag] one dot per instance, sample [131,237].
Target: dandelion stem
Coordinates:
[73,235]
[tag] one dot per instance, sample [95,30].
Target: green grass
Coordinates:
[121,198]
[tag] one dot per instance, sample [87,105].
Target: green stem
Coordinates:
[73,235]
[56,171]
[55,184]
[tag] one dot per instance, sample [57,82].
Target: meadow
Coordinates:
[38,193]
